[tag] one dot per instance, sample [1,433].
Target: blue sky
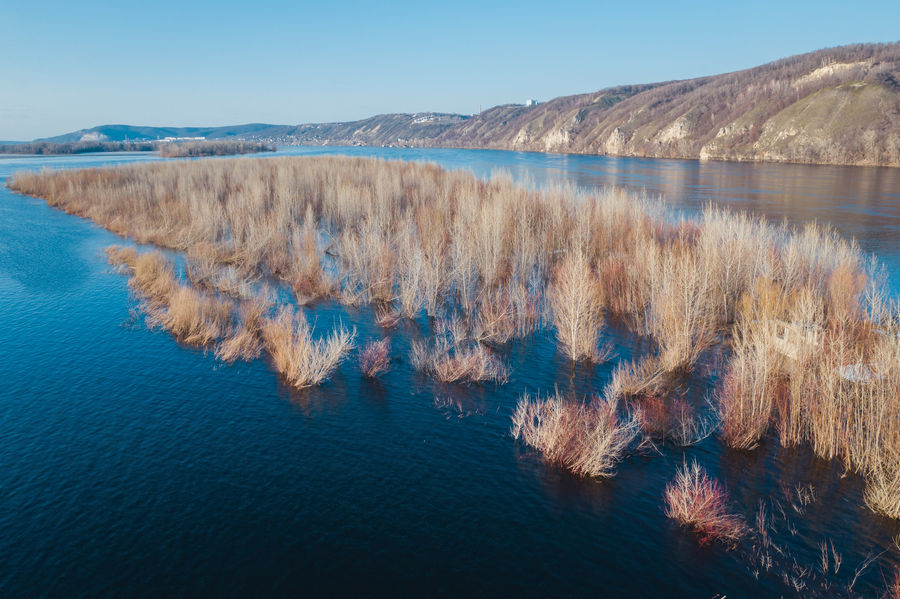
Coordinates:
[72,65]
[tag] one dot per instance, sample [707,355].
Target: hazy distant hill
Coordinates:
[384,129]
[834,106]
[139,133]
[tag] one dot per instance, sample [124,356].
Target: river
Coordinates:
[132,466]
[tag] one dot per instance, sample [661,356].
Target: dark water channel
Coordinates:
[133,467]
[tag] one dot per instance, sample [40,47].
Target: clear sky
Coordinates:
[75,64]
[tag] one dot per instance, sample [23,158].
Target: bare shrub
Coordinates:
[893,589]
[386,316]
[307,274]
[682,315]
[588,439]
[746,397]
[302,360]
[576,300]
[467,362]
[673,419]
[218,278]
[375,358]
[699,502]
[814,347]
[639,378]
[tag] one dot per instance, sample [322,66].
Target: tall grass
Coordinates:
[191,316]
[245,340]
[813,353]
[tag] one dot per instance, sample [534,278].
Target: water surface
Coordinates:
[132,466]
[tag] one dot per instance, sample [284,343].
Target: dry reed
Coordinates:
[302,360]
[191,316]
[814,352]
[576,299]
[245,341]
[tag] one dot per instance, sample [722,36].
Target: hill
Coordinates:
[141,133]
[385,129]
[834,106]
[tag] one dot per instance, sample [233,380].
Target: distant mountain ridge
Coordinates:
[140,133]
[834,106]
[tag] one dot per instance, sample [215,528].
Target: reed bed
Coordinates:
[813,351]
[218,147]
[190,315]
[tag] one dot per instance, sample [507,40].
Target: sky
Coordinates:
[71,65]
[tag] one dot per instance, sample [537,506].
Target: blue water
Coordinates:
[132,466]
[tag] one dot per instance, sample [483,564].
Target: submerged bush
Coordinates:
[458,363]
[588,439]
[302,360]
[576,299]
[375,358]
[191,316]
[699,502]
[245,341]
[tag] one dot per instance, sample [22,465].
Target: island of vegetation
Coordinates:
[169,149]
[810,344]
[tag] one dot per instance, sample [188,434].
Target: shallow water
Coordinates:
[132,466]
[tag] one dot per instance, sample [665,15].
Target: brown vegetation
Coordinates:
[302,360]
[191,316]
[458,363]
[698,501]
[813,353]
[245,340]
[219,147]
[588,439]
[375,358]
[576,298]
